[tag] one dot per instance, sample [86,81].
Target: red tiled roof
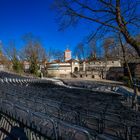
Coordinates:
[67,50]
[71,60]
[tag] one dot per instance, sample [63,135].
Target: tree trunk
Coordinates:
[123,29]
[125,61]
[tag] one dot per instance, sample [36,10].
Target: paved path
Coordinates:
[92,80]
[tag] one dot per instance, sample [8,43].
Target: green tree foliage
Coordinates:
[34,64]
[17,66]
[34,52]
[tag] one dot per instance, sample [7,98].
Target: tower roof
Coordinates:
[67,50]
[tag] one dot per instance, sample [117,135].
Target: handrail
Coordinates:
[54,120]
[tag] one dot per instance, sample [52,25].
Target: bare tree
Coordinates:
[13,56]
[3,58]
[33,52]
[125,60]
[85,50]
[80,51]
[49,54]
[93,48]
[107,44]
[58,55]
[114,15]
[55,54]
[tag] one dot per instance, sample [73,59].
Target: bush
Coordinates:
[126,80]
[17,66]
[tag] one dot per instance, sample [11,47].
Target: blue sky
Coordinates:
[18,17]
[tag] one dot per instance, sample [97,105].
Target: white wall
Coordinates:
[2,67]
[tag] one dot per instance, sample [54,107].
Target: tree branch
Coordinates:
[72,12]
[94,10]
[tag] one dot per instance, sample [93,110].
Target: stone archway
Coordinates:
[76,69]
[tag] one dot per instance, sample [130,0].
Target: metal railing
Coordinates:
[57,119]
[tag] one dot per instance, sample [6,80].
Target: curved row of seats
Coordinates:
[100,86]
[23,114]
[37,105]
[49,126]
[4,74]
[97,113]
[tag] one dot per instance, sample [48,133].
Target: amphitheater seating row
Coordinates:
[94,114]
[49,126]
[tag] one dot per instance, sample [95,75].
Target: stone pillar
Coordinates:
[72,70]
[84,66]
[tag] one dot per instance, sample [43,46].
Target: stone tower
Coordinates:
[67,55]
